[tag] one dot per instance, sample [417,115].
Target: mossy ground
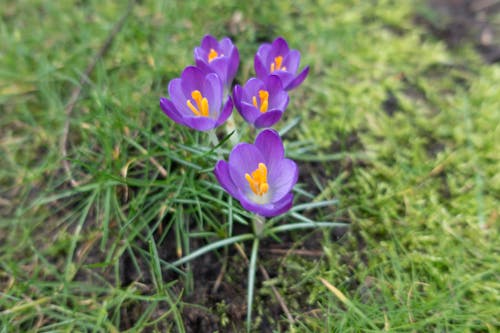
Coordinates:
[402,130]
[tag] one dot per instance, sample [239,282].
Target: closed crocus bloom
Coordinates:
[220,57]
[196,100]
[278,59]
[261,102]
[259,176]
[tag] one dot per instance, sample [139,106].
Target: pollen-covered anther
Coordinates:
[264,101]
[258,180]
[213,54]
[201,108]
[276,65]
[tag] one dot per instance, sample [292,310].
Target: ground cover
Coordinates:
[395,124]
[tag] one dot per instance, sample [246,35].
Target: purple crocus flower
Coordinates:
[278,59]
[261,103]
[218,57]
[196,100]
[259,175]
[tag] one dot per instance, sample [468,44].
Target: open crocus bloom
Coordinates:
[196,100]
[218,57]
[278,59]
[261,102]
[259,175]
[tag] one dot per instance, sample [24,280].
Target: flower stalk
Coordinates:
[258,225]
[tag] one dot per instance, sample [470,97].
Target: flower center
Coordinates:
[201,108]
[264,100]
[212,55]
[276,64]
[258,180]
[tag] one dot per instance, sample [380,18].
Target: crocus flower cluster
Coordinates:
[263,99]
[197,97]
[258,175]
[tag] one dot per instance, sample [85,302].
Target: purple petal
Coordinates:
[285,77]
[209,42]
[283,205]
[292,61]
[282,177]
[170,110]
[278,98]
[200,55]
[226,112]
[237,95]
[263,51]
[200,123]
[263,210]
[249,112]
[191,79]
[204,66]
[232,66]
[269,144]
[221,171]
[226,46]
[298,80]
[219,66]
[252,88]
[268,118]
[212,90]
[260,67]
[278,48]
[244,158]
[273,84]
[271,209]
[177,96]
[280,101]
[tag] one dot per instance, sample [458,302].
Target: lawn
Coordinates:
[395,133]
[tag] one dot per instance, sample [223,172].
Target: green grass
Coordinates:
[419,184]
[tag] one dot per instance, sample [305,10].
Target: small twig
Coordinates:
[266,276]
[220,276]
[75,94]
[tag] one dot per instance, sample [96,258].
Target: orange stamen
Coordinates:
[276,64]
[264,101]
[258,180]
[201,108]
[212,55]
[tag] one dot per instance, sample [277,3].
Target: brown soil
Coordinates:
[459,21]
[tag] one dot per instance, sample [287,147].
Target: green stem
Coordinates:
[258,225]
[231,127]
[212,136]
[214,140]
[251,281]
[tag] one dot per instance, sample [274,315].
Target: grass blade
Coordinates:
[211,247]
[251,281]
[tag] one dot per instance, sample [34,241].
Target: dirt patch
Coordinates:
[209,309]
[391,104]
[459,21]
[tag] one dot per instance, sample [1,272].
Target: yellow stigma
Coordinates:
[258,180]
[276,64]
[212,55]
[201,108]
[264,101]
